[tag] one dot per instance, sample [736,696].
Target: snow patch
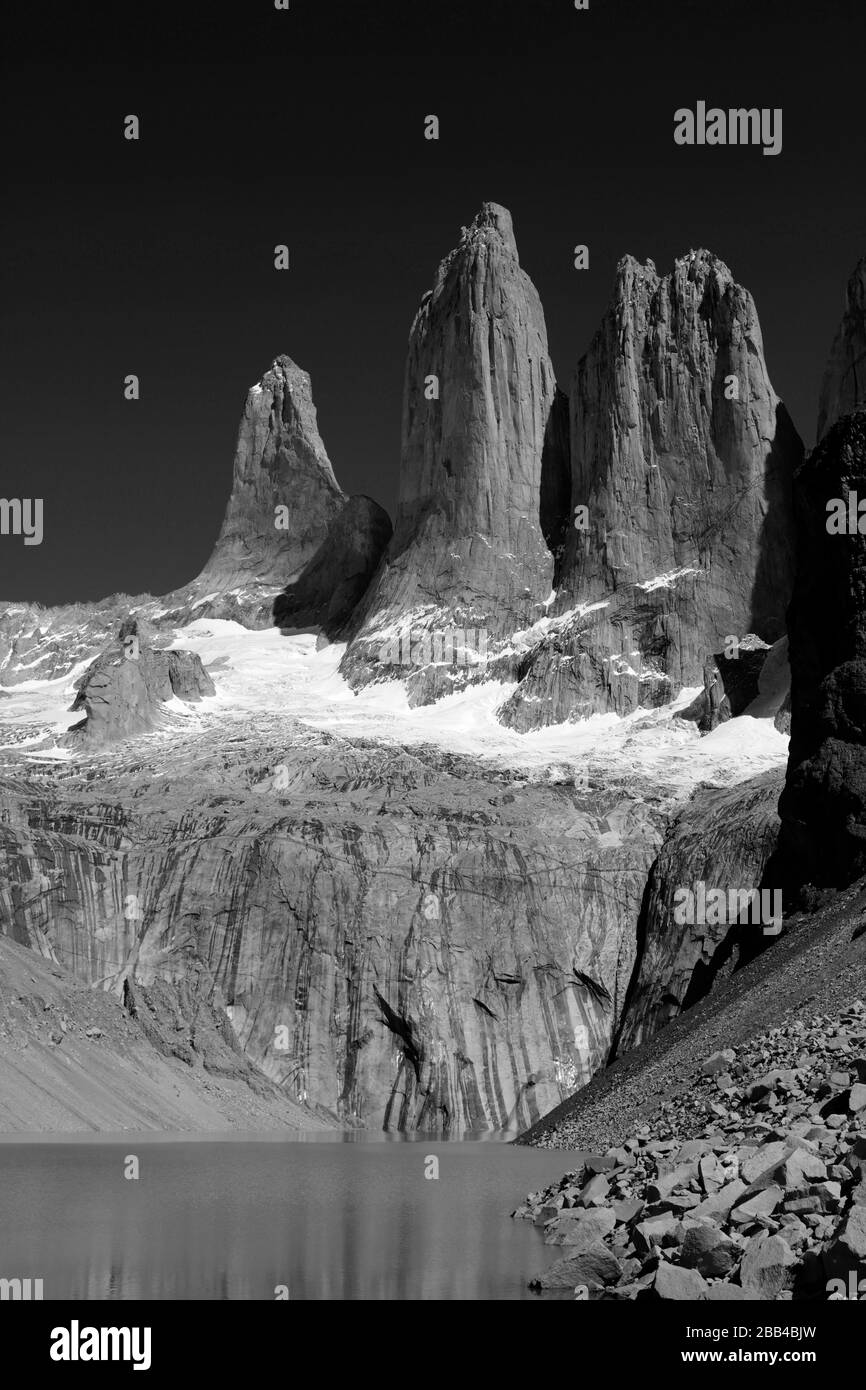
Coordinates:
[667,581]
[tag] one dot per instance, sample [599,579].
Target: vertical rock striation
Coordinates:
[406,946]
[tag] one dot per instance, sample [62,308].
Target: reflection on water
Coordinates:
[216,1220]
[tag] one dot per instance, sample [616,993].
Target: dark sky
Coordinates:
[261,126]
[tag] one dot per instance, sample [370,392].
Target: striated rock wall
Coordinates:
[395,941]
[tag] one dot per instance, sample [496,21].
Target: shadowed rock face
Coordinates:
[823,806]
[468,548]
[683,456]
[844,387]
[326,592]
[723,838]
[124,691]
[754,679]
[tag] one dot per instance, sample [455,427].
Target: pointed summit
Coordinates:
[288,524]
[468,549]
[494,217]
[280,461]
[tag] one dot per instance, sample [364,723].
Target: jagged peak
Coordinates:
[491,225]
[496,218]
[701,258]
[855,292]
[285,368]
[283,379]
[697,265]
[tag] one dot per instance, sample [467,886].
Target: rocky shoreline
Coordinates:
[751,1187]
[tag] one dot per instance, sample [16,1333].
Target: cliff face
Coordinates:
[468,548]
[396,940]
[681,459]
[843,389]
[823,806]
[723,839]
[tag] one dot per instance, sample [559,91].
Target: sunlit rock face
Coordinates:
[280,461]
[482,459]
[396,937]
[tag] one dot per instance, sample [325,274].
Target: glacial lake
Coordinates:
[337,1218]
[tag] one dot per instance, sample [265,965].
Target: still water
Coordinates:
[236,1219]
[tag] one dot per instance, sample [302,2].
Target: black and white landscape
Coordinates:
[528,803]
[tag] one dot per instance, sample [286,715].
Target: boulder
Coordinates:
[580,1228]
[767,1267]
[683,1285]
[594,1267]
[125,690]
[708,1250]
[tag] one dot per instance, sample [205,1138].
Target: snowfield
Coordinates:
[266,673]
[264,670]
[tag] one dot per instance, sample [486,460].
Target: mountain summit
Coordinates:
[479,391]
[682,458]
